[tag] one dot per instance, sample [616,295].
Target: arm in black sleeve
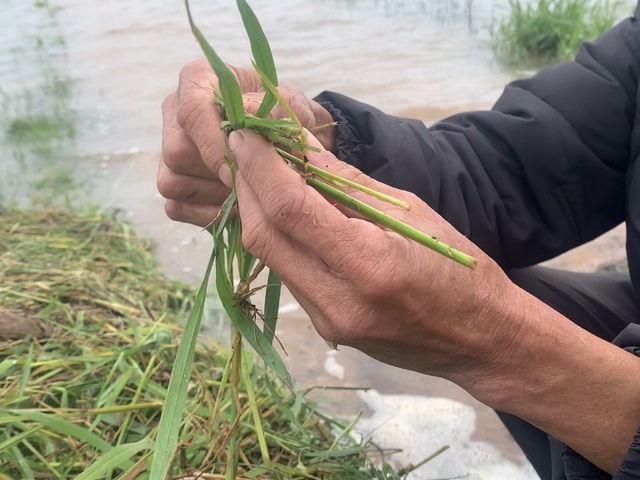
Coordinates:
[542,172]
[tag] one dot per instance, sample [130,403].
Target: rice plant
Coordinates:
[537,33]
[230,261]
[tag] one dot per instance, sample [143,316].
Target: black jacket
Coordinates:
[553,165]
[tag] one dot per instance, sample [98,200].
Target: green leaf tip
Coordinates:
[227,83]
[262,55]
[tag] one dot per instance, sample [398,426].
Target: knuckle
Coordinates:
[190,110]
[283,207]
[256,238]
[175,154]
[194,70]
[380,276]
[248,80]
[252,239]
[168,185]
[174,210]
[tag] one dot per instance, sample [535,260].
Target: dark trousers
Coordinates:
[601,303]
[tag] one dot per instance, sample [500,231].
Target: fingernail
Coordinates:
[224,174]
[236,139]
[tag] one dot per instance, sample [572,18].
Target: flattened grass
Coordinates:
[85,401]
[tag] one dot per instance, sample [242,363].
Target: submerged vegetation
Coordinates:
[81,396]
[540,32]
[37,121]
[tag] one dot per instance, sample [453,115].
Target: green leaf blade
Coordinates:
[246,325]
[272,305]
[227,83]
[262,54]
[176,399]
[115,458]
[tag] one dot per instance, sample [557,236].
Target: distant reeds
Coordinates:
[534,34]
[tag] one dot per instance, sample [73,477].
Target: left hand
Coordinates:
[192,144]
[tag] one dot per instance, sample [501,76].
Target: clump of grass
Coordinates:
[84,401]
[534,34]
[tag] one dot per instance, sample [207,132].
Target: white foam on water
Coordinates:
[332,367]
[288,308]
[422,425]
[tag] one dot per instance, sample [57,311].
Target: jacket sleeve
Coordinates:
[542,172]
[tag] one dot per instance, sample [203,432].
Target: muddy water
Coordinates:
[425,59]
[123,56]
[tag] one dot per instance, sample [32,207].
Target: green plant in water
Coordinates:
[37,123]
[231,261]
[537,33]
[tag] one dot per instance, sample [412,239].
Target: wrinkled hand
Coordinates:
[193,145]
[365,286]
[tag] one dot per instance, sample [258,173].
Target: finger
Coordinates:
[291,206]
[199,214]
[327,161]
[175,186]
[298,103]
[179,153]
[416,213]
[314,284]
[309,301]
[198,115]
[277,249]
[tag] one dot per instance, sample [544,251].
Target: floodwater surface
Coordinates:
[123,57]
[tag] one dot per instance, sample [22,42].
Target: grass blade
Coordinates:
[175,402]
[14,439]
[255,410]
[342,183]
[261,54]
[25,468]
[115,458]
[272,305]
[61,426]
[229,88]
[245,324]
[286,411]
[272,88]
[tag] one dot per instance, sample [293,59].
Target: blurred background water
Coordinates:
[121,58]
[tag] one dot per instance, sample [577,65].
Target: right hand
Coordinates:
[193,145]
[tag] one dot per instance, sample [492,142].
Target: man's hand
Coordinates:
[193,145]
[408,306]
[365,286]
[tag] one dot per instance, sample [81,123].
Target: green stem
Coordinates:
[232,453]
[343,182]
[143,382]
[257,420]
[410,468]
[396,225]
